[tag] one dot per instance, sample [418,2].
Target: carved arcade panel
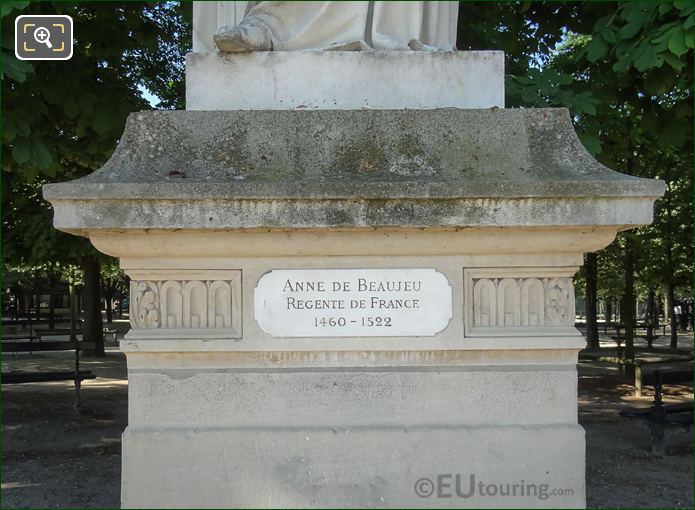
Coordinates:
[192,304]
[502,301]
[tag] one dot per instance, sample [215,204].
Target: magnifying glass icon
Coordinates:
[43,36]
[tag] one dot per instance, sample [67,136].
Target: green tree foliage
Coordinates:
[640,63]
[62,120]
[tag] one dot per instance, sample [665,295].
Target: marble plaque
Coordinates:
[353,302]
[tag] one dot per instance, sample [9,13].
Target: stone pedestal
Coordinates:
[344,80]
[233,404]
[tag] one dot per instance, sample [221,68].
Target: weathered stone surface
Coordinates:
[296,169]
[344,80]
[492,150]
[350,429]
[360,467]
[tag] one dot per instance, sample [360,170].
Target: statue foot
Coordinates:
[243,38]
[416,45]
[350,46]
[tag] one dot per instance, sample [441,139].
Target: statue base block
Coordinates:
[381,466]
[344,80]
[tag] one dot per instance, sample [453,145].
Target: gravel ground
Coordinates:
[56,457]
[53,456]
[620,470]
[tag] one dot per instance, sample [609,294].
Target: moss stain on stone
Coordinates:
[361,159]
[410,146]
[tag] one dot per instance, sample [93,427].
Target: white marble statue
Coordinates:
[304,25]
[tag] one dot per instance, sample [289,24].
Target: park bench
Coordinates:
[649,339]
[76,375]
[16,337]
[19,331]
[661,417]
[643,378]
[640,370]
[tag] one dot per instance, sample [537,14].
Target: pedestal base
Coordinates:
[218,217]
[389,467]
[449,430]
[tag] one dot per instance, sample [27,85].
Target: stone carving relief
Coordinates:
[559,294]
[144,305]
[522,302]
[176,304]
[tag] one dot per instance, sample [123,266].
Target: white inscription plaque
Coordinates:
[353,302]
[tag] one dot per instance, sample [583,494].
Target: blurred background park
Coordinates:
[624,70]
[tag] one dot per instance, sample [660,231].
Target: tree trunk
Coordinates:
[619,326]
[18,303]
[685,316]
[669,270]
[672,319]
[92,328]
[628,315]
[52,309]
[74,339]
[609,315]
[649,317]
[38,307]
[26,311]
[658,303]
[591,264]
[109,308]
